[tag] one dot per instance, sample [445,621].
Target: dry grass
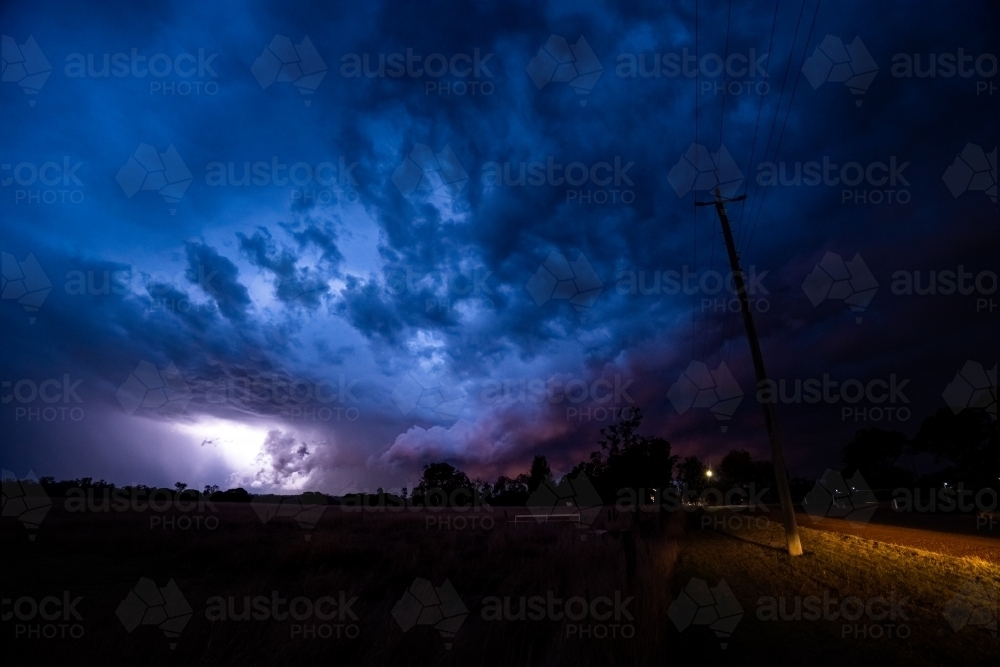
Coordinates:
[378,556]
[375,558]
[754,564]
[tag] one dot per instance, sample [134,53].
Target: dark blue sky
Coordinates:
[243,197]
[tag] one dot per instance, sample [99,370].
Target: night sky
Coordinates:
[243,202]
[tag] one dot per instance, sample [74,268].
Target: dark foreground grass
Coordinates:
[375,559]
[754,565]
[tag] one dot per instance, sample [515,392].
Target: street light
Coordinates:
[708,473]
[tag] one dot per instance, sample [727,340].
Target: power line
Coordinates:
[777,108]
[760,106]
[724,345]
[722,120]
[694,258]
[784,124]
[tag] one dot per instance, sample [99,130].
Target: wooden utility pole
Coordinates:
[770,417]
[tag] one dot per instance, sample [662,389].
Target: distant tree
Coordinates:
[509,492]
[540,472]
[313,498]
[968,441]
[483,488]
[402,494]
[628,460]
[180,486]
[438,478]
[765,478]
[691,473]
[875,453]
[211,489]
[737,468]
[238,495]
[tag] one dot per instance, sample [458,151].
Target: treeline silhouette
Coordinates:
[964,447]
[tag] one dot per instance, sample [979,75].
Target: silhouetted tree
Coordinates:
[875,453]
[628,460]
[691,473]
[509,492]
[237,495]
[540,472]
[737,468]
[440,477]
[968,440]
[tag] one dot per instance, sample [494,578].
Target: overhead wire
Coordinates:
[784,124]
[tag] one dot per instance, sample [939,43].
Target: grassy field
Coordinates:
[752,562]
[376,558]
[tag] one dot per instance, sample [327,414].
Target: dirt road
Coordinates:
[953,535]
